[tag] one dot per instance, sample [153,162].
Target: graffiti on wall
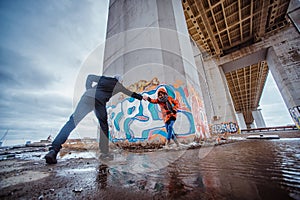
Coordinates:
[295,113]
[198,111]
[226,127]
[135,120]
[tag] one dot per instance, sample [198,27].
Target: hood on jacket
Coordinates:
[162,90]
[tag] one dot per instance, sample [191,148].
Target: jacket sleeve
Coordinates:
[176,104]
[121,88]
[152,100]
[90,80]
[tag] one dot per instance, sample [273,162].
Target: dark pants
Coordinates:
[85,106]
[101,113]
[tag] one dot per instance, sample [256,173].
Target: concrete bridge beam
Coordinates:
[241,121]
[258,118]
[283,59]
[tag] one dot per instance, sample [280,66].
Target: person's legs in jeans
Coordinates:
[169,128]
[101,113]
[174,137]
[84,106]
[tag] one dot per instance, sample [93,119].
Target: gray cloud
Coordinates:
[22,72]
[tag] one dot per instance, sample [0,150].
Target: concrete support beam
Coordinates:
[264,44]
[284,63]
[258,118]
[283,59]
[241,121]
[219,95]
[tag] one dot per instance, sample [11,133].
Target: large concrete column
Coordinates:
[258,118]
[148,43]
[284,63]
[220,99]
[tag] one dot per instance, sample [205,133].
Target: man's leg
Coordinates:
[101,113]
[63,134]
[84,106]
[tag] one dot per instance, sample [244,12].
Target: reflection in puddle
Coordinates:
[103,172]
[76,171]
[242,170]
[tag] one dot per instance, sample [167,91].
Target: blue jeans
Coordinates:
[169,127]
[84,107]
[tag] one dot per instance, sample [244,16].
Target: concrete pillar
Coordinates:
[220,99]
[203,83]
[258,118]
[241,121]
[284,63]
[148,43]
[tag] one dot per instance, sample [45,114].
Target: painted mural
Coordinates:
[134,120]
[295,113]
[198,111]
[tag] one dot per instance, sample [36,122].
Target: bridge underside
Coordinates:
[220,28]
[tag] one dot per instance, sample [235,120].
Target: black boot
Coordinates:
[51,157]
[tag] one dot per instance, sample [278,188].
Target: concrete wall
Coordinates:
[284,63]
[283,59]
[222,106]
[148,43]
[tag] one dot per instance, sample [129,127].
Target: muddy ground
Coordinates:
[82,175]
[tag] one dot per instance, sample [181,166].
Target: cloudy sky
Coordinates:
[43,46]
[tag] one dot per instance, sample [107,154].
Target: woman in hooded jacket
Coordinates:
[169,107]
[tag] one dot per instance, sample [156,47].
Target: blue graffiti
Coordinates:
[129,121]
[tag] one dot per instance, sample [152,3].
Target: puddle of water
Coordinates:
[289,139]
[76,154]
[246,170]
[236,138]
[78,170]
[22,177]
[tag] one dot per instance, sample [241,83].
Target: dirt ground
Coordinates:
[75,176]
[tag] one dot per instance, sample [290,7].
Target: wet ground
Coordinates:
[238,169]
